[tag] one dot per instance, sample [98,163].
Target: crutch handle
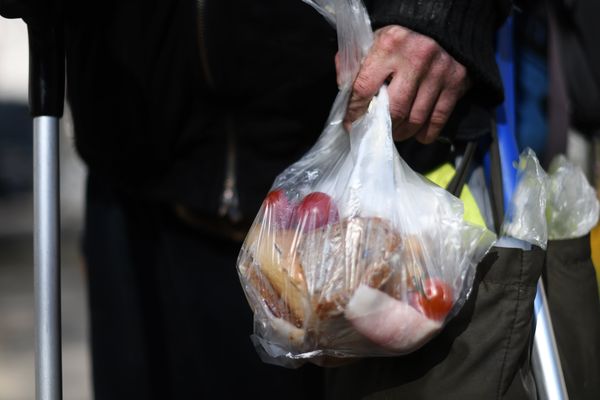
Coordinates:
[46,68]
[46,52]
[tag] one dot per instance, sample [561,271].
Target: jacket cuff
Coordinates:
[464,28]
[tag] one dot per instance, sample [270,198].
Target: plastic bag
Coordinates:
[558,205]
[572,207]
[352,253]
[525,218]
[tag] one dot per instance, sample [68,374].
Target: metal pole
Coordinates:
[544,359]
[46,96]
[47,259]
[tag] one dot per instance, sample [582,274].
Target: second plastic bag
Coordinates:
[560,204]
[352,253]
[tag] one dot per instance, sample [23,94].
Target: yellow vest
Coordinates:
[441,177]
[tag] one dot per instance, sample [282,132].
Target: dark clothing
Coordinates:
[202,103]
[572,292]
[147,116]
[164,98]
[577,30]
[169,95]
[169,320]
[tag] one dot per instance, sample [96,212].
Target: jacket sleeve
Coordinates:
[465,28]
[16,8]
[30,10]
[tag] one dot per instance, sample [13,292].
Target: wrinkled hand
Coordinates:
[424,83]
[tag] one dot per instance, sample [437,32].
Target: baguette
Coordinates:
[274,254]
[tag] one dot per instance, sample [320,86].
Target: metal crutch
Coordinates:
[545,360]
[46,96]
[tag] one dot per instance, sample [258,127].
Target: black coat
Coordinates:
[159,108]
[171,98]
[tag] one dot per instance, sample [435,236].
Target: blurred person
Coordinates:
[571,281]
[184,112]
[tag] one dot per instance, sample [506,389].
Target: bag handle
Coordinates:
[496,190]
[456,185]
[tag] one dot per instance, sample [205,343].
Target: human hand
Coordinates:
[424,83]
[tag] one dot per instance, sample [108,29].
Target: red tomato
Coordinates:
[277,209]
[275,197]
[438,299]
[315,210]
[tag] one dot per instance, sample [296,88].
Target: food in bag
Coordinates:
[352,253]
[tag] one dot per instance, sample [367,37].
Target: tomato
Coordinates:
[437,299]
[316,210]
[277,209]
[275,198]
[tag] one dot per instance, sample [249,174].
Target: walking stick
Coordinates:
[46,91]
[46,95]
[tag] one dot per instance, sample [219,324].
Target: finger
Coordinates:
[402,92]
[422,107]
[427,94]
[456,84]
[439,116]
[375,70]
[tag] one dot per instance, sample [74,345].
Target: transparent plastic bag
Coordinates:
[572,207]
[525,217]
[352,253]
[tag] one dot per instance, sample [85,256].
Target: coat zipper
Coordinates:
[229,203]
[206,72]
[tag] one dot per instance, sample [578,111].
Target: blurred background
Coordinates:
[16,240]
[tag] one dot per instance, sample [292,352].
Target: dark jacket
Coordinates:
[181,101]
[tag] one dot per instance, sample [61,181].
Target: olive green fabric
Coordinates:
[572,292]
[483,353]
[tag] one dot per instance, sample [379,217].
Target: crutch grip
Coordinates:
[46,52]
[46,68]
